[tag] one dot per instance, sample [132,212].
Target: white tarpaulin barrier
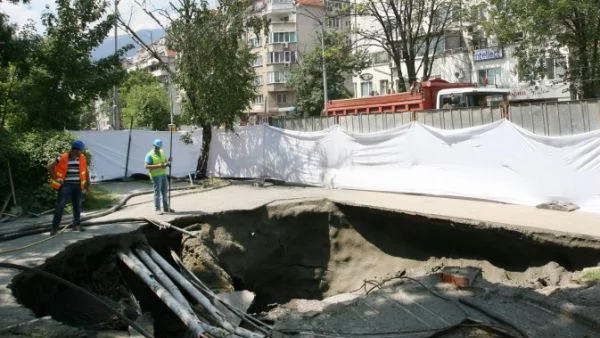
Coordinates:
[499,161]
[109,151]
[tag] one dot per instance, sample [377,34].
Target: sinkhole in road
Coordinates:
[292,250]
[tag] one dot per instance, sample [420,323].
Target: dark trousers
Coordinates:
[68,191]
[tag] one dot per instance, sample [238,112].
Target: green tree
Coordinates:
[214,64]
[541,31]
[62,79]
[340,61]
[410,31]
[145,99]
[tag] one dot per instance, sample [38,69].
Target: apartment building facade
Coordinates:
[294,31]
[143,59]
[464,55]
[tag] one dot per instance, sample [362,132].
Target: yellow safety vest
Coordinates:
[157,159]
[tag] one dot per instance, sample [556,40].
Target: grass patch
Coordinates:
[591,274]
[98,198]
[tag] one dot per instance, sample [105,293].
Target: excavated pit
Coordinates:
[306,250]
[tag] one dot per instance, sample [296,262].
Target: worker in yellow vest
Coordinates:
[156,164]
[69,175]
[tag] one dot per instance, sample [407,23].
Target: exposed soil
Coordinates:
[314,251]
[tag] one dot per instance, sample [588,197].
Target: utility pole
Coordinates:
[324,68]
[116,112]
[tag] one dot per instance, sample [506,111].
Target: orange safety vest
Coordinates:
[60,171]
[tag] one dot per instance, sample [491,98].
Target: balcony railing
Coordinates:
[280,6]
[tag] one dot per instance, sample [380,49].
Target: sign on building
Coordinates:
[488,54]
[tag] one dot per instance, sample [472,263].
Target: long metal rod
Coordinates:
[116,112]
[192,322]
[128,148]
[321,23]
[163,278]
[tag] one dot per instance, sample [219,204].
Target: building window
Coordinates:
[258,80]
[258,100]
[334,22]
[384,87]
[491,76]
[255,42]
[366,88]
[555,67]
[278,77]
[281,37]
[380,58]
[355,89]
[281,98]
[257,61]
[281,57]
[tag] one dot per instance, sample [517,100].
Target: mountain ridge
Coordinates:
[107,47]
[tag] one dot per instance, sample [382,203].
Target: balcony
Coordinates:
[280,6]
[278,87]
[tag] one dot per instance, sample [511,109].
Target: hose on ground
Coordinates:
[80,289]
[42,227]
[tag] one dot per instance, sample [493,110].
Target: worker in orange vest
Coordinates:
[69,175]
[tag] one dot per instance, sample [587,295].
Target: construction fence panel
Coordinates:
[458,118]
[557,118]
[554,118]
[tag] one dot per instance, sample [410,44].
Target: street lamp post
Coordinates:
[116,112]
[324,68]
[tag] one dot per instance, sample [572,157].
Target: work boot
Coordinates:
[78,228]
[158,212]
[53,232]
[169,210]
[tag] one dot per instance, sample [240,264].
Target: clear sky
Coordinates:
[21,13]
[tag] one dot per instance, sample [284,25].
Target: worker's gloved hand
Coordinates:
[167,164]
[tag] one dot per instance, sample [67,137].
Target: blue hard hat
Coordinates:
[78,145]
[157,143]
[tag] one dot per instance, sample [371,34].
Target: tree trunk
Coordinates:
[401,85]
[411,72]
[203,160]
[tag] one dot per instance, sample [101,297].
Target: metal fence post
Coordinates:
[570,117]
[558,117]
[531,115]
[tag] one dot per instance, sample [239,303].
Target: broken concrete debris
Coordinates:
[558,206]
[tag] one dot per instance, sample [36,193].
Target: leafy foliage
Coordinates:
[410,31]
[340,60]
[214,64]
[51,78]
[145,99]
[539,31]
[28,155]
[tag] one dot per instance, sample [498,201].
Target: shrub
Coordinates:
[28,155]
